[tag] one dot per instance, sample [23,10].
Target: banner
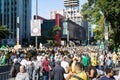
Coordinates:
[65,28]
[36,27]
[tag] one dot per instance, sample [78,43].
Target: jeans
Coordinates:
[45,75]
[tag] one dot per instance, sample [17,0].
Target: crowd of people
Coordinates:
[63,63]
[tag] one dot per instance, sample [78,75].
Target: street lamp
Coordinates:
[36,39]
[18,25]
[88,35]
[68,32]
[67,36]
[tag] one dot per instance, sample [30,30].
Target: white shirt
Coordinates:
[65,64]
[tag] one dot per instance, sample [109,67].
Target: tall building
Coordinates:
[10,10]
[54,12]
[70,12]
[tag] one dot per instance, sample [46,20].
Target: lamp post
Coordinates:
[67,36]
[36,38]
[68,33]
[88,35]
[18,25]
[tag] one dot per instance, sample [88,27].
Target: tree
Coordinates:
[93,15]
[52,33]
[99,29]
[4,32]
[111,11]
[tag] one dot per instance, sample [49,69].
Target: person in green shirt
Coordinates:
[4,60]
[85,61]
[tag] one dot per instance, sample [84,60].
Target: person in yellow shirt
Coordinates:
[94,61]
[73,65]
[114,58]
[79,73]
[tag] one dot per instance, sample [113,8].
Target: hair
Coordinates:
[58,63]
[108,70]
[79,65]
[23,67]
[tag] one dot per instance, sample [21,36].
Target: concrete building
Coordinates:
[76,17]
[72,11]
[76,32]
[54,12]
[10,10]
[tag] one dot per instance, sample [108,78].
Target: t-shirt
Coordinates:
[45,65]
[22,76]
[85,61]
[115,57]
[65,65]
[81,75]
[106,78]
[94,61]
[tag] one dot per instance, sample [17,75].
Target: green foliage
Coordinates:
[53,31]
[86,11]
[56,28]
[110,10]
[4,32]
[99,29]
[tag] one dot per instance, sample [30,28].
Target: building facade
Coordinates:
[54,12]
[75,17]
[9,11]
[76,32]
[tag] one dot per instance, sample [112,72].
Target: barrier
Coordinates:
[4,75]
[5,68]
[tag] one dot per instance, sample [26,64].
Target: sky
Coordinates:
[45,6]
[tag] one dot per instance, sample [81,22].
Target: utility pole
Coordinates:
[36,38]
[18,26]
[67,36]
[88,35]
